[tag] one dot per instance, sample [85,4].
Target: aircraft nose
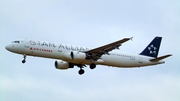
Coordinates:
[8,47]
[12,48]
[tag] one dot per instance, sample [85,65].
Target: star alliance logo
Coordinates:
[152,49]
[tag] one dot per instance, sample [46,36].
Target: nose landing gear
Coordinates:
[24,60]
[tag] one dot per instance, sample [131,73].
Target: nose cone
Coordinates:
[8,47]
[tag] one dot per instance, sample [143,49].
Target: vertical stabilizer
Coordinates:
[152,49]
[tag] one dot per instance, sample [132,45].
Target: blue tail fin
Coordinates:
[152,49]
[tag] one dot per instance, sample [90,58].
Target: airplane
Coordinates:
[69,56]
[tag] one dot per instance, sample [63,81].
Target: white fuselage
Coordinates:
[61,51]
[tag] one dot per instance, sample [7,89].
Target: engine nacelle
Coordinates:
[67,55]
[75,55]
[79,55]
[63,65]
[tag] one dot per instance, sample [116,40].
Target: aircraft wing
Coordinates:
[96,53]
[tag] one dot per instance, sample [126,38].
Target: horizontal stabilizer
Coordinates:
[160,58]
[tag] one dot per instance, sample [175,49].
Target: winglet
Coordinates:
[160,58]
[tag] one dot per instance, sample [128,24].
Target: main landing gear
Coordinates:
[24,60]
[81,71]
[92,66]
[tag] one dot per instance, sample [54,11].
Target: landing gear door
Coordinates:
[26,45]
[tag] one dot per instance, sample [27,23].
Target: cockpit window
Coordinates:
[16,42]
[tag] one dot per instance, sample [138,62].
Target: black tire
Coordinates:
[23,61]
[92,66]
[81,71]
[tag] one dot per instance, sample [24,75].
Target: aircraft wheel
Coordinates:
[81,71]
[92,66]
[23,61]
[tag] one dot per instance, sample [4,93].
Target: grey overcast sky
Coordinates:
[90,23]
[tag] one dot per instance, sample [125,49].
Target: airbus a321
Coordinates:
[68,56]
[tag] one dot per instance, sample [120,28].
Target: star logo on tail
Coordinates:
[152,49]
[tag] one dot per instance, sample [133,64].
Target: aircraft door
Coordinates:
[26,45]
[140,60]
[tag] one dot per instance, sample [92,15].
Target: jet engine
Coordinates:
[78,55]
[63,65]
[75,55]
